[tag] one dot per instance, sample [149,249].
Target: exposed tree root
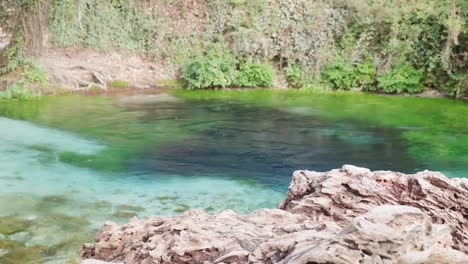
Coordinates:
[84,69]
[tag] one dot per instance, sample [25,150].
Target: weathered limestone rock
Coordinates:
[348,215]
[343,194]
[93,261]
[386,234]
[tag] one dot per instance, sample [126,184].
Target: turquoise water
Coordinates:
[69,163]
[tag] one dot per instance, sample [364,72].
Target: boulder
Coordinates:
[347,215]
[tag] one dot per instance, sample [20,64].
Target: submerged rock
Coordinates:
[347,215]
[13,252]
[10,225]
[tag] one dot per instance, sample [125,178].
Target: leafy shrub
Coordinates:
[364,75]
[23,88]
[343,75]
[33,73]
[14,55]
[254,75]
[17,90]
[457,86]
[210,71]
[423,33]
[401,78]
[339,74]
[294,75]
[215,70]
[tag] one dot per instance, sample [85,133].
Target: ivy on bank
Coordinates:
[26,75]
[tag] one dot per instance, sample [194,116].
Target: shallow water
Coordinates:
[69,163]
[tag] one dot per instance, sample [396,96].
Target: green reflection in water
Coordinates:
[436,129]
[66,172]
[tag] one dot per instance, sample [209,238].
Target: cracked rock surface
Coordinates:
[347,215]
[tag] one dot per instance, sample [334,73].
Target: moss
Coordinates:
[51,201]
[119,84]
[181,208]
[126,207]
[95,88]
[10,225]
[210,209]
[168,83]
[67,222]
[166,197]
[102,205]
[248,182]
[237,2]
[9,244]
[55,199]
[19,253]
[123,214]
[74,261]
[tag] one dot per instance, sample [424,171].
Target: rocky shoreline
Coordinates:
[347,215]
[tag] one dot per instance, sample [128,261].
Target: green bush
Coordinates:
[401,78]
[210,71]
[343,75]
[430,35]
[457,86]
[26,86]
[364,75]
[18,90]
[217,70]
[14,55]
[339,74]
[254,75]
[33,73]
[294,75]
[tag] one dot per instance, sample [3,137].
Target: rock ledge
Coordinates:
[347,215]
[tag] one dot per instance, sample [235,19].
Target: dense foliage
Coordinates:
[211,70]
[340,75]
[401,78]
[343,75]
[28,76]
[341,44]
[254,75]
[430,36]
[219,70]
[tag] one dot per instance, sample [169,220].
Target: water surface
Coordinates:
[69,163]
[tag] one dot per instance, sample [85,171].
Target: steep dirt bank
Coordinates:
[82,68]
[347,215]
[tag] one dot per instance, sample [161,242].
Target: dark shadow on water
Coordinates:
[266,145]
